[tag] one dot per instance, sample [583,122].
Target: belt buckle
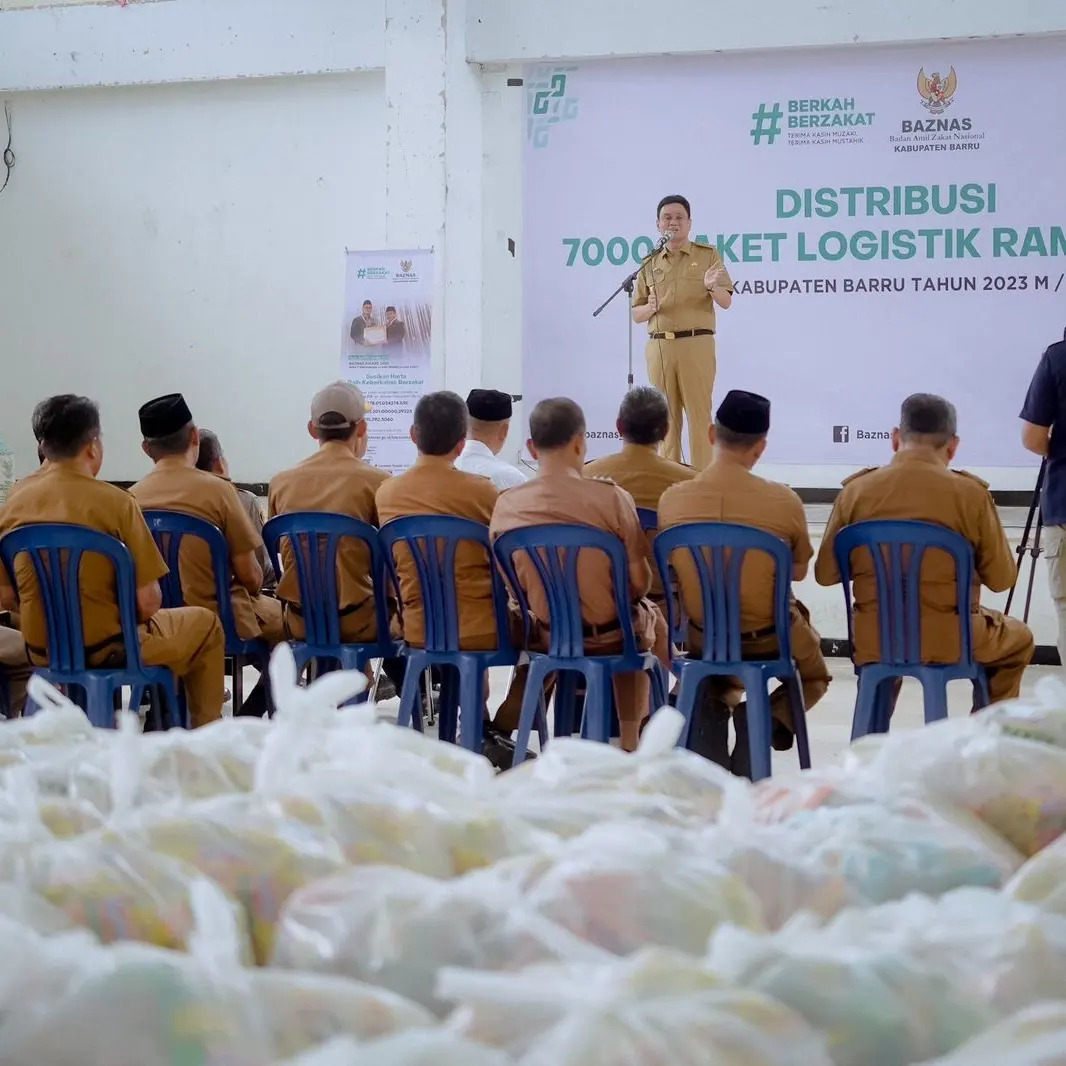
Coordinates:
[669,336]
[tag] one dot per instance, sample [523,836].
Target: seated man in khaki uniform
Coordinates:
[336,480]
[188,640]
[729,491]
[211,458]
[919,485]
[433,486]
[172,442]
[560,493]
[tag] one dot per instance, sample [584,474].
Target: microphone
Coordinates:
[665,239]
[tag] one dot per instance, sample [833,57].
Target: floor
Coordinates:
[829,724]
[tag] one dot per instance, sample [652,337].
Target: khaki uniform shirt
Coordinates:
[335,481]
[434,487]
[726,492]
[62,494]
[918,487]
[196,492]
[684,302]
[573,499]
[641,471]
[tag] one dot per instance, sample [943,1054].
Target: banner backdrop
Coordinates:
[894,220]
[388,321]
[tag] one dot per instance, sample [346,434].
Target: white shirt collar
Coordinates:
[478,449]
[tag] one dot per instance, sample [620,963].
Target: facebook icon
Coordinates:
[840,434]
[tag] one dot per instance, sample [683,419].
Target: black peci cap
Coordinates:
[744,412]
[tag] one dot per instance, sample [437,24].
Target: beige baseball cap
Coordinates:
[340,398]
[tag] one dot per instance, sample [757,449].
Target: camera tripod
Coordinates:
[1034,524]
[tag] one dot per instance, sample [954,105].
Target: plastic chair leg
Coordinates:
[237,683]
[981,697]
[596,724]
[799,720]
[659,686]
[935,698]
[565,701]
[687,691]
[758,699]
[448,723]
[531,700]
[410,709]
[99,700]
[865,721]
[471,705]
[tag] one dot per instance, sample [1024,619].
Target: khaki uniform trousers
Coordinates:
[15,668]
[683,370]
[189,642]
[806,653]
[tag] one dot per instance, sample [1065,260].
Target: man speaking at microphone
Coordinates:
[677,291]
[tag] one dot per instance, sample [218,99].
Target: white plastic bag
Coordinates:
[625,886]
[1042,880]
[397,929]
[658,767]
[1016,786]
[655,1007]
[428,1047]
[1041,717]
[307,1009]
[1035,1037]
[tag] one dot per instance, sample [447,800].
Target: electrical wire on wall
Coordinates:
[8,156]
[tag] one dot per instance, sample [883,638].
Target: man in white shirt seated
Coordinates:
[490,420]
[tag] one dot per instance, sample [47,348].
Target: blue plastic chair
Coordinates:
[168,529]
[897,549]
[56,550]
[554,550]
[432,541]
[649,519]
[315,537]
[718,550]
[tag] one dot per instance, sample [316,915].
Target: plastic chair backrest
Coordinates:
[433,541]
[897,549]
[56,550]
[717,550]
[553,550]
[168,528]
[315,537]
[649,519]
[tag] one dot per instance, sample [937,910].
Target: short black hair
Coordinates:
[928,419]
[35,419]
[678,199]
[390,308]
[367,303]
[734,441]
[67,424]
[333,426]
[644,416]
[440,422]
[554,423]
[210,451]
[176,443]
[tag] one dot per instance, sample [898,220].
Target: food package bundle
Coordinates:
[624,886]
[1041,717]
[654,1007]
[1042,880]
[305,1010]
[397,929]
[1012,784]
[658,768]
[417,1047]
[1033,1037]
[248,846]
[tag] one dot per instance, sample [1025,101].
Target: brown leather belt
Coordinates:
[756,634]
[342,613]
[681,334]
[599,631]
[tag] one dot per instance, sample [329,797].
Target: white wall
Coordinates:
[186,238]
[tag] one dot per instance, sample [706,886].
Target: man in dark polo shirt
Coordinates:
[1045,404]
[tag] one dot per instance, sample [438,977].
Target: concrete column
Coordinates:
[433,171]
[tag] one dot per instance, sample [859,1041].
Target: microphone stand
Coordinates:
[627,287]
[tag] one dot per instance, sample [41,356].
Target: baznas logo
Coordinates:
[405,266]
[936,92]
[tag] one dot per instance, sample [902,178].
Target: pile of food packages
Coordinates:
[326,889]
